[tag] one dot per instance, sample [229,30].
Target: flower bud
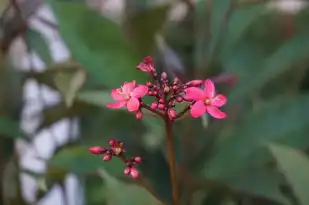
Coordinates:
[171,114]
[134,173]
[194,83]
[107,157]
[139,115]
[161,106]
[138,159]
[97,150]
[154,105]
[127,171]
[179,99]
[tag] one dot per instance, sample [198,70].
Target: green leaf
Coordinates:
[295,167]
[69,84]
[144,25]
[293,51]
[129,194]
[241,20]
[259,182]
[256,130]
[11,129]
[98,44]
[97,98]
[39,45]
[219,14]
[77,159]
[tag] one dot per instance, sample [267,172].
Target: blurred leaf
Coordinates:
[11,129]
[258,128]
[259,182]
[293,51]
[39,45]
[60,111]
[295,167]
[242,18]
[98,44]
[129,194]
[78,160]
[144,25]
[97,98]
[220,12]
[69,84]
[94,190]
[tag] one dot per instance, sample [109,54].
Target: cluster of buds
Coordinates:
[167,93]
[116,149]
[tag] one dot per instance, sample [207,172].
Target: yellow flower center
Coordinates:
[207,102]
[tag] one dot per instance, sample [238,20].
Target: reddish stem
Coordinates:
[142,181]
[171,159]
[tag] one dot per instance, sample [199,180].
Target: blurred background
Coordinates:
[60,58]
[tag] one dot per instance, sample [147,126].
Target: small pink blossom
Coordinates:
[147,65]
[134,173]
[128,95]
[206,100]
[171,114]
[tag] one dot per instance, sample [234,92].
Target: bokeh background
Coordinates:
[60,58]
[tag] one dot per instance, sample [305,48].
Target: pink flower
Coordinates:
[206,101]
[147,65]
[128,95]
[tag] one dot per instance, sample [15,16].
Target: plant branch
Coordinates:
[171,159]
[151,110]
[142,180]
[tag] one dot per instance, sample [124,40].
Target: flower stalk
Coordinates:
[171,159]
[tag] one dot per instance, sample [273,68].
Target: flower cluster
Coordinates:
[167,93]
[116,149]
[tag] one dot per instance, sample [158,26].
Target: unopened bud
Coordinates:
[161,106]
[134,173]
[139,115]
[194,83]
[154,105]
[127,171]
[171,114]
[166,89]
[107,157]
[137,159]
[97,150]
[164,76]
[179,99]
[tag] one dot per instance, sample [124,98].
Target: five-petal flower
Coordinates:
[128,95]
[206,100]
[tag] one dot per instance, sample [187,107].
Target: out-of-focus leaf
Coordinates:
[293,51]
[69,84]
[144,25]
[219,16]
[94,190]
[129,194]
[262,183]
[60,111]
[98,44]
[242,18]
[39,45]
[258,128]
[47,77]
[295,167]
[11,129]
[97,98]
[78,160]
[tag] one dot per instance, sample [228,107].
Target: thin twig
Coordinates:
[171,159]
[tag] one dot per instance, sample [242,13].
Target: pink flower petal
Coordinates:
[133,104]
[194,94]
[198,109]
[128,86]
[116,96]
[215,112]
[116,105]
[209,88]
[218,100]
[139,91]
